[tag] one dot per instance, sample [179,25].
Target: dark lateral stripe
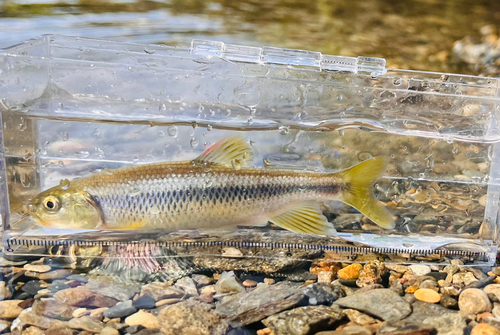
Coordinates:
[224,193]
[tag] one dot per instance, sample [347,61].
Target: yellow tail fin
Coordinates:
[358,181]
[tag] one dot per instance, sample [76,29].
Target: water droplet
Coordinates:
[341,132]
[161,134]
[209,127]
[154,210]
[455,150]
[61,106]
[135,160]
[194,142]
[22,125]
[250,121]
[284,130]
[65,136]
[162,107]
[64,184]
[149,50]
[82,154]
[172,131]
[25,180]
[96,132]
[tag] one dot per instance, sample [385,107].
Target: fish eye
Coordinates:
[51,204]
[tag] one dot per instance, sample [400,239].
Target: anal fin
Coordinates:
[305,218]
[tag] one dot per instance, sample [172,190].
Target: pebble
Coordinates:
[32,330]
[37,268]
[210,289]
[160,291]
[350,272]
[144,302]
[4,325]
[438,275]
[78,277]
[144,319]
[188,286]
[303,320]
[427,295]
[62,331]
[349,330]
[170,301]
[371,274]
[191,317]
[493,289]
[31,287]
[202,280]
[321,294]
[121,309]
[109,331]
[5,292]
[98,313]
[232,253]
[53,308]
[31,318]
[420,270]
[56,274]
[112,287]
[79,312]
[269,281]
[358,317]
[254,305]
[474,301]
[249,283]
[485,329]
[86,323]
[382,303]
[449,302]
[9,309]
[325,277]
[80,296]
[228,283]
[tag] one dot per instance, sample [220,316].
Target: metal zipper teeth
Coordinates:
[13,242]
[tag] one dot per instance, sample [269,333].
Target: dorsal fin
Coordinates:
[229,151]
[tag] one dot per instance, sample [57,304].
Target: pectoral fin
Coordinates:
[305,218]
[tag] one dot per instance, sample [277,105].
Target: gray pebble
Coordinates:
[32,287]
[120,310]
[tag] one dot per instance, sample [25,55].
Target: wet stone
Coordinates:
[303,320]
[143,319]
[9,309]
[482,283]
[60,331]
[438,275]
[31,287]
[56,274]
[78,277]
[449,302]
[249,283]
[160,291]
[420,270]
[191,317]
[31,318]
[447,324]
[228,283]
[80,296]
[348,283]
[358,317]
[371,274]
[188,286]
[109,331]
[202,280]
[113,287]
[350,272]
[493,289]
[485,329]
[58,285]
[321,294]
[403,327]
[427,295]
[383,303]
[474,301]
[53,308]
[144,302]
[86,323]
[121,309]
[250,306]
[37,268]
[32,330]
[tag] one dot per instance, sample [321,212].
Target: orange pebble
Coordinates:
[427,295]
[350,272]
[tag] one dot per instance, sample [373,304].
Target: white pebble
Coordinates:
[420,270]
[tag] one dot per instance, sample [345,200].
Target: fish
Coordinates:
[217,190]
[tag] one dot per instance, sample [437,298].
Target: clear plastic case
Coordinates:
[73,107]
